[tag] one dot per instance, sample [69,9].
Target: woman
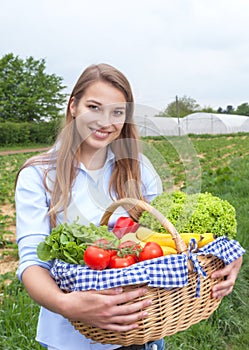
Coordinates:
[95,160]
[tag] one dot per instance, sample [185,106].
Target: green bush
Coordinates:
[25,133]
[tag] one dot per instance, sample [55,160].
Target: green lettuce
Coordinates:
[197,213]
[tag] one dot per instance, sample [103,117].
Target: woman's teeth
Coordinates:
[101,133]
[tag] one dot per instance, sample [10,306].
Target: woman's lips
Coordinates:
[101,134]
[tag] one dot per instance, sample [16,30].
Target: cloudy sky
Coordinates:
[196,48]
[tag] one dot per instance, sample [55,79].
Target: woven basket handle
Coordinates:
[131,202]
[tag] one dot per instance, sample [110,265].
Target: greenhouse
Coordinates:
[196,123]
[156,126]
[245,125]
[212,123]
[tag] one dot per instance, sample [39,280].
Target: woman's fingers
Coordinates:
[119,296]
[124,322]
[125,307]
[111,291]
[112,309]
[230,272]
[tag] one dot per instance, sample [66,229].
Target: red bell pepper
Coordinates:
[124,225]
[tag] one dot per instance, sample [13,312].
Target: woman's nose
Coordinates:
[104,118]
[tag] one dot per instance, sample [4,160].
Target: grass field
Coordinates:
[217,164]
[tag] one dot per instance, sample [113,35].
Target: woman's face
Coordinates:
[100,115]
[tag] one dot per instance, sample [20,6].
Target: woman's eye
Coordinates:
[118,113]
[94,108]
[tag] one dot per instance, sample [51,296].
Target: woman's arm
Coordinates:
[104,309]
[230,272]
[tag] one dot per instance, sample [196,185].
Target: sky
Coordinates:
[193,48]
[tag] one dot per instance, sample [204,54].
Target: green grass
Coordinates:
[9,165]
[220,165]
[18,316]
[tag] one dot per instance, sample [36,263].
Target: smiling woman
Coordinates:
[58,187]
[94,161]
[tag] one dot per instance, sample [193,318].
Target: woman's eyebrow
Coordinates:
[116,104]
[93,101]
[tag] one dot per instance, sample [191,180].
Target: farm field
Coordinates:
[217,164]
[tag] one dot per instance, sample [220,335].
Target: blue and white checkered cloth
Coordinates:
[167,272]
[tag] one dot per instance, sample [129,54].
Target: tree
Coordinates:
[207,109]
[229,110]
[27,93]
[243,109]
[180,107]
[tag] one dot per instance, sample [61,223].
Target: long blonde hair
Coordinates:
[65,158]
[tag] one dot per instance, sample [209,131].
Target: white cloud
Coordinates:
[184,47]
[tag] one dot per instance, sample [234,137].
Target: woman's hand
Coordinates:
[106,309]
[230,272]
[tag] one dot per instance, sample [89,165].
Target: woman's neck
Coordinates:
[93,160]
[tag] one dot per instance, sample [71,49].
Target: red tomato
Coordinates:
[117,262]
[129,244]
[130,248]
[105,244]
[112,252]
[151,250]
[124,225]
[96,258]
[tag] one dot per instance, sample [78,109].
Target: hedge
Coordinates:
[24,133]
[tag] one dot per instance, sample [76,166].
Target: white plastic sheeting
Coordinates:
[196,123]
[210,123]
[245,125]
[157,126]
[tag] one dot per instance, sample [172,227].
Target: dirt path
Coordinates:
[28,150]
[8,260]
[8,266]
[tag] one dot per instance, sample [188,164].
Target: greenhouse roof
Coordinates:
[195,123]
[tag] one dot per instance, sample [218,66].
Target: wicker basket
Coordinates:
[172,310]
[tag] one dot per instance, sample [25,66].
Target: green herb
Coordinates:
[68,242]
[197,213]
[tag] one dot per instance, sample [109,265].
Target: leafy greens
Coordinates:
[68,242]
[195,213]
